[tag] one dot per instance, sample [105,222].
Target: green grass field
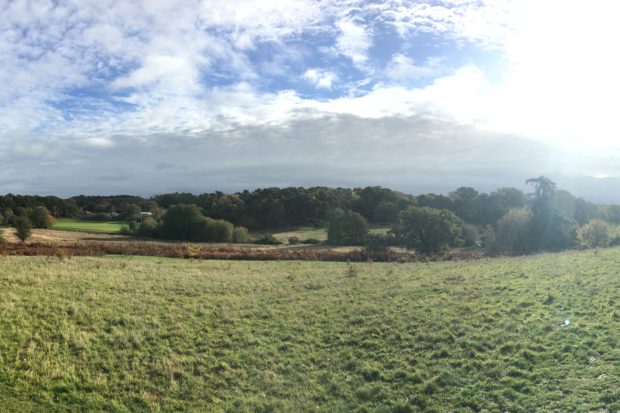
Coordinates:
[125,334]
[96,226]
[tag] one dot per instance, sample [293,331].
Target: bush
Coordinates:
[219,230]
[346,228]
[427,229]
[311,241]
[594,234]
[148,228]
[41,218]
[241,235]
[23,227]
[513,232]
[293,241]
[184,223]
[377,243]
[268,239]
[471,236]
[488,239]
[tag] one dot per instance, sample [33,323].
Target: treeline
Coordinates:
[279,207]
[505,220]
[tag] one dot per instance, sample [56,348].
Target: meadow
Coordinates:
[68,224]
[132,334]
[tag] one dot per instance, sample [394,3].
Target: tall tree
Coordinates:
[550,229]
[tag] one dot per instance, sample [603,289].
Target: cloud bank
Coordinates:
[153,96]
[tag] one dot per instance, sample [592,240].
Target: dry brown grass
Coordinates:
[65,244]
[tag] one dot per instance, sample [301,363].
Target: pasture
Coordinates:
[131,334]
[68,224]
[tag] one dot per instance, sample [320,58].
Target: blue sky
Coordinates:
[154,96]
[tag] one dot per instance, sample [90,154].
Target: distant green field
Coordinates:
[124,334]
[78,225]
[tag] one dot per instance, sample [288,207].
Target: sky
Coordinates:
[153,96]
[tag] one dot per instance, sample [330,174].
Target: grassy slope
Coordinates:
[144,334]
[78,225]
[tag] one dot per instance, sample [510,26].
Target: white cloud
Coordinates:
[320,79]
[353,41]
[487,22]
[403,68]
[98,142]
[171,74]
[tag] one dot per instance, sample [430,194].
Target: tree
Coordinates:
[23,227]
[610,213]
[148,227]
[465,205]
[182,222]
[132,212]
[346,228]
[7,216]
[41,218]
[513,232]
[427,229]
[550,229]
[594,234]
[71,210]
[386,212]
[334,227]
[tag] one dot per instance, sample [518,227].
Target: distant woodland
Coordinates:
[507,220]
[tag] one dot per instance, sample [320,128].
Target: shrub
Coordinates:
[513,232]
[376,243]
[131,228]
[346,228]
[471,235]
[311,241]
[184,223]
[219,230]
[594,234]
[488,239]
[293,241]
[148,227]
[268,239]
[241,235]
[41,218]
[23,227]
[351,270]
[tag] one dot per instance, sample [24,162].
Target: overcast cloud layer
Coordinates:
[146,97]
